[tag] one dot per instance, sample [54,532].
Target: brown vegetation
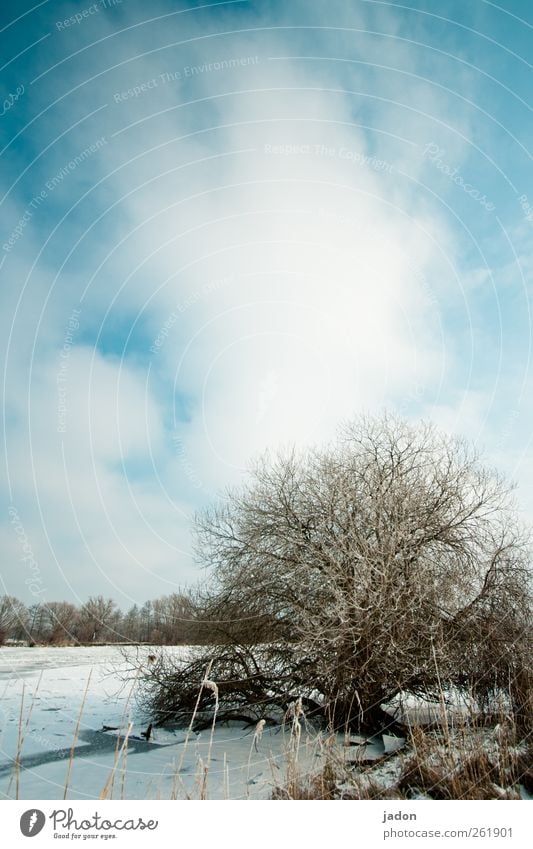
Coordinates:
[472,762]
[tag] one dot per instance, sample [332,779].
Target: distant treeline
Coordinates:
[169,620]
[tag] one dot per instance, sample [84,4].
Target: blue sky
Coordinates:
[230,226]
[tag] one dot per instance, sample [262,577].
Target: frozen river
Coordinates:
[42,691]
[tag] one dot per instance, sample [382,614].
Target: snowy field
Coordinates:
[66,712]
[41,695]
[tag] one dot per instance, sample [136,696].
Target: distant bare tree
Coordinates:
[130,627]
[173,617]
[98,620]
[146,622]
[62,619]
[13,618]
[37,622]
[387,562]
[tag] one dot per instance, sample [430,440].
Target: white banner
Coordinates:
[257,823]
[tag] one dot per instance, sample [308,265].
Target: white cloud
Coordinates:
[273,232]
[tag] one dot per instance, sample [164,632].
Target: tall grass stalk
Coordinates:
[76,734]
[111,780]
[122,723]
[21,735]
[258,734]
[209,685]
[177,774]
[20,740]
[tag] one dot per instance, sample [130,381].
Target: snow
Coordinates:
[43,691]
[392,744]
[46,687]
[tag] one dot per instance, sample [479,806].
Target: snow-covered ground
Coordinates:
[41,695]
[45,693]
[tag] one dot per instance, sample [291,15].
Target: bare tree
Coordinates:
[37,619]
[146,618]
[98,620]
[62,618]
[387,562]
[130,627]
[173,619]
[13,618]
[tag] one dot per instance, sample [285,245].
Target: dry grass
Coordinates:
[445,762]
[463,754]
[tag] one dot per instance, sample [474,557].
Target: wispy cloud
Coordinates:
[234,202]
